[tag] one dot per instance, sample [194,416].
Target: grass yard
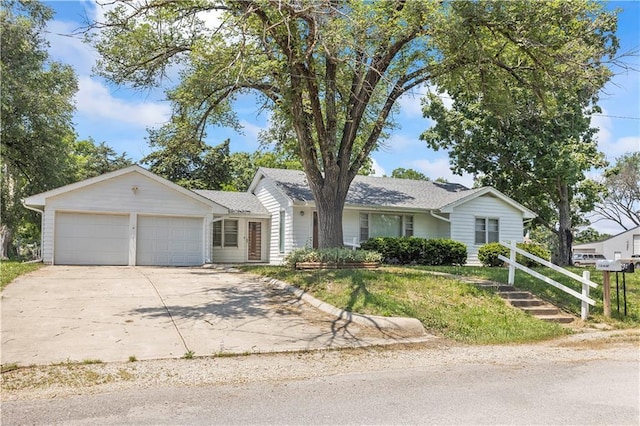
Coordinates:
[562,299]
[445,306]
[10,270]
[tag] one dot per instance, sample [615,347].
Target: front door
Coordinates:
[254,245]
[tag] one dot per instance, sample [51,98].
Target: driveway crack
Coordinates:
[184,342]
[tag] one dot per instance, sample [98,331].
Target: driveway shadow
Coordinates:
[224,303]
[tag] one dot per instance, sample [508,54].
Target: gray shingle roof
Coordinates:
[371,191]
[236,202]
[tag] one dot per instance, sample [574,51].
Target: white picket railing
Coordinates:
[584,279]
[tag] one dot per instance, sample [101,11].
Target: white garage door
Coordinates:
[175,241]
[636,244]
[91,239]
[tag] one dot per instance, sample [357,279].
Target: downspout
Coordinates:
[41,229]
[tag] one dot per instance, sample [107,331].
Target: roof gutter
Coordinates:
[439,217]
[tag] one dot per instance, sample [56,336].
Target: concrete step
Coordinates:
[529,303]
[517,295]
[560,318]
[525,302]
[546,310]
[497,287]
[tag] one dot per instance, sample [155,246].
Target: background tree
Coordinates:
[402,173]
[621,201]
[335,69]
[538,159]
[37,108]
[191,165]
[589,235]
[93,160]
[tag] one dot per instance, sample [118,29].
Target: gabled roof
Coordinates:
[236,202]
[372,191]
[38,200]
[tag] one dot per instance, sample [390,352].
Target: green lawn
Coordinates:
[562,299]
[445,306]
[10,270]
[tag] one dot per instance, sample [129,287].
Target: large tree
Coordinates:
[536,158]
[36,128]
[335,69]
[621,201]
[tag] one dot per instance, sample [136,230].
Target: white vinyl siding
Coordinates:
[115,196]
[274,201]
[636,245]
[463,222]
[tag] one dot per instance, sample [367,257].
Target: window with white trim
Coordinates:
[231,233]
[385,225]
[487,230]
[217,234]
[225,233]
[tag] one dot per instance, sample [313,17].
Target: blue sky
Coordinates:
[120,116]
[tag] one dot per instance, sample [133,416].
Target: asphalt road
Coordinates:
[595,391]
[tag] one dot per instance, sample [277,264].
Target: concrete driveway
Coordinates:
[77,313]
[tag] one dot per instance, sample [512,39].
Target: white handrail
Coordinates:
[584,279]
[550,265]
[548,280]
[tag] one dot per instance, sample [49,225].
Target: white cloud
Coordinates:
[95,102]
[411,102]
[440,168]
[613,146]
[378,170]
[399,142]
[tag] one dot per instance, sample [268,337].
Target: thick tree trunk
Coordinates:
[565,234]
[330,195]
[6,239]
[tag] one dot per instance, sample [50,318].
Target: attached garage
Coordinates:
[91,239]
[176,241]
[127,217]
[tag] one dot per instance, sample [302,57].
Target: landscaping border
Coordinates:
[398,326]
[334,265]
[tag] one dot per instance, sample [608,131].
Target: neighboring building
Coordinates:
[621,246]
[133,217]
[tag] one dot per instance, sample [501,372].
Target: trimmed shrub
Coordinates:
[415,250]
[534,249]
[442,251]
[488,254]
[333,255]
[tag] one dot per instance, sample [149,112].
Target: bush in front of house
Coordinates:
[332,255]
[534,249]
[444,251]
[488,254]
[415,250]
